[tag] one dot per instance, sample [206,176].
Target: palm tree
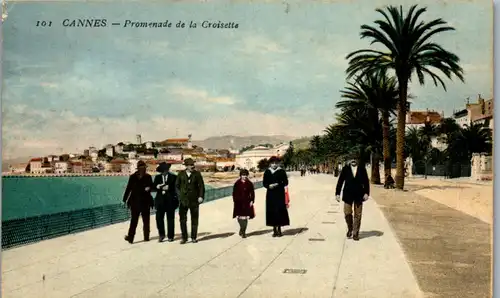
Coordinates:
[427,134]
[362,131]
[378,93]
[473,138]
[408,50]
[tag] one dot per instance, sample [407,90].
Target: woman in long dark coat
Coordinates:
[243,198]
[275,180]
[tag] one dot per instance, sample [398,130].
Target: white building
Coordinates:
[110,150]
[61,167]
[132,154]
[93,153]
[250,159]
[36,166]
[462,117]
[149,145]
[119,149]
[132,165]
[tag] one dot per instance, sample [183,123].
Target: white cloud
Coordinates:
[66,132]
[260,45]
[198,96]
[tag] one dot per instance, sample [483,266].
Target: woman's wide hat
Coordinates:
[163,167]
[274,159]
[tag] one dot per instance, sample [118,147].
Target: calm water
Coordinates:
[24,197]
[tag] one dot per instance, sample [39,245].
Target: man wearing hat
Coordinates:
[138,199]
[166,201]
[191,190]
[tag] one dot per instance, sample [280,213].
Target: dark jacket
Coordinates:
[135,194]
[276,211]
[243,194]
[169,198]
[355,186]
[189,189]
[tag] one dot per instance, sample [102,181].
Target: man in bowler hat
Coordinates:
[166,201]
[191,191]
[138,199]
[356,191]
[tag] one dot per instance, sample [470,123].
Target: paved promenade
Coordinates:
[319,261]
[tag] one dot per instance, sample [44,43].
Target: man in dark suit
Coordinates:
[138,199]
[166,201]
[191,191]
[356,191]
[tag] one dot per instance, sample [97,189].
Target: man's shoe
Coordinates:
[355,237]
[349,234]
[129,239]
[183,241]
[170,239]
[194,241]
[161,238]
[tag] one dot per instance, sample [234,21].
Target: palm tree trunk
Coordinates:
[375,162]
[400,133]
[386,144]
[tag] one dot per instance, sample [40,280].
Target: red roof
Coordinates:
[420,117]
[36,159]
[177,140]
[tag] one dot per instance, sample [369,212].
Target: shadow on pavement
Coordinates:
[293,232]
[217,236]
[367,234]
[259,233]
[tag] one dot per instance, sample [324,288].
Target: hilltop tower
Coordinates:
[138,139]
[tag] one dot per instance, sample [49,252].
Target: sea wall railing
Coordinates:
[17,232]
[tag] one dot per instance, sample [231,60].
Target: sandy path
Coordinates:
[473,199]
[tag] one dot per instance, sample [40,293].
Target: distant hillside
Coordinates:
[13,161]
[302,143]
[236,142]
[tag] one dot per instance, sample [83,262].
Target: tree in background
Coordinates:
[408,50]
[263,164]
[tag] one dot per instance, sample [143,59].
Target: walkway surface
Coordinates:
[312,259]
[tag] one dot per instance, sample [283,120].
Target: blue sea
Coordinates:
[32,196]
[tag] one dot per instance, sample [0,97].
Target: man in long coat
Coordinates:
[166,201]
[138,199]
[356,191]
[191,191]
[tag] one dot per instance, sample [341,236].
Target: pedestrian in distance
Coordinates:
[243,199]
[166,201]
[191,192]
[356,190]
[138,199]
[275,180]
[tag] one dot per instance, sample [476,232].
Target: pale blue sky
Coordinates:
[278,73]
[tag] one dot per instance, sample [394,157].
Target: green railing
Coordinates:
[17,232]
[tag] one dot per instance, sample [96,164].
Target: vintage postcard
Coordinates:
[247,149]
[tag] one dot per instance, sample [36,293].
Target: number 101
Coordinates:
[43,23]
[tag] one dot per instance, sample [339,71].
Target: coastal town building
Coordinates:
[222,163]
[77,167]
[119,165]
[62,167]
[110,150]
[480,112]
[36,165]
[417,119]
[250,159]
[149,145]
[132,154]
[171,143]
[18,168]
[119,148]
